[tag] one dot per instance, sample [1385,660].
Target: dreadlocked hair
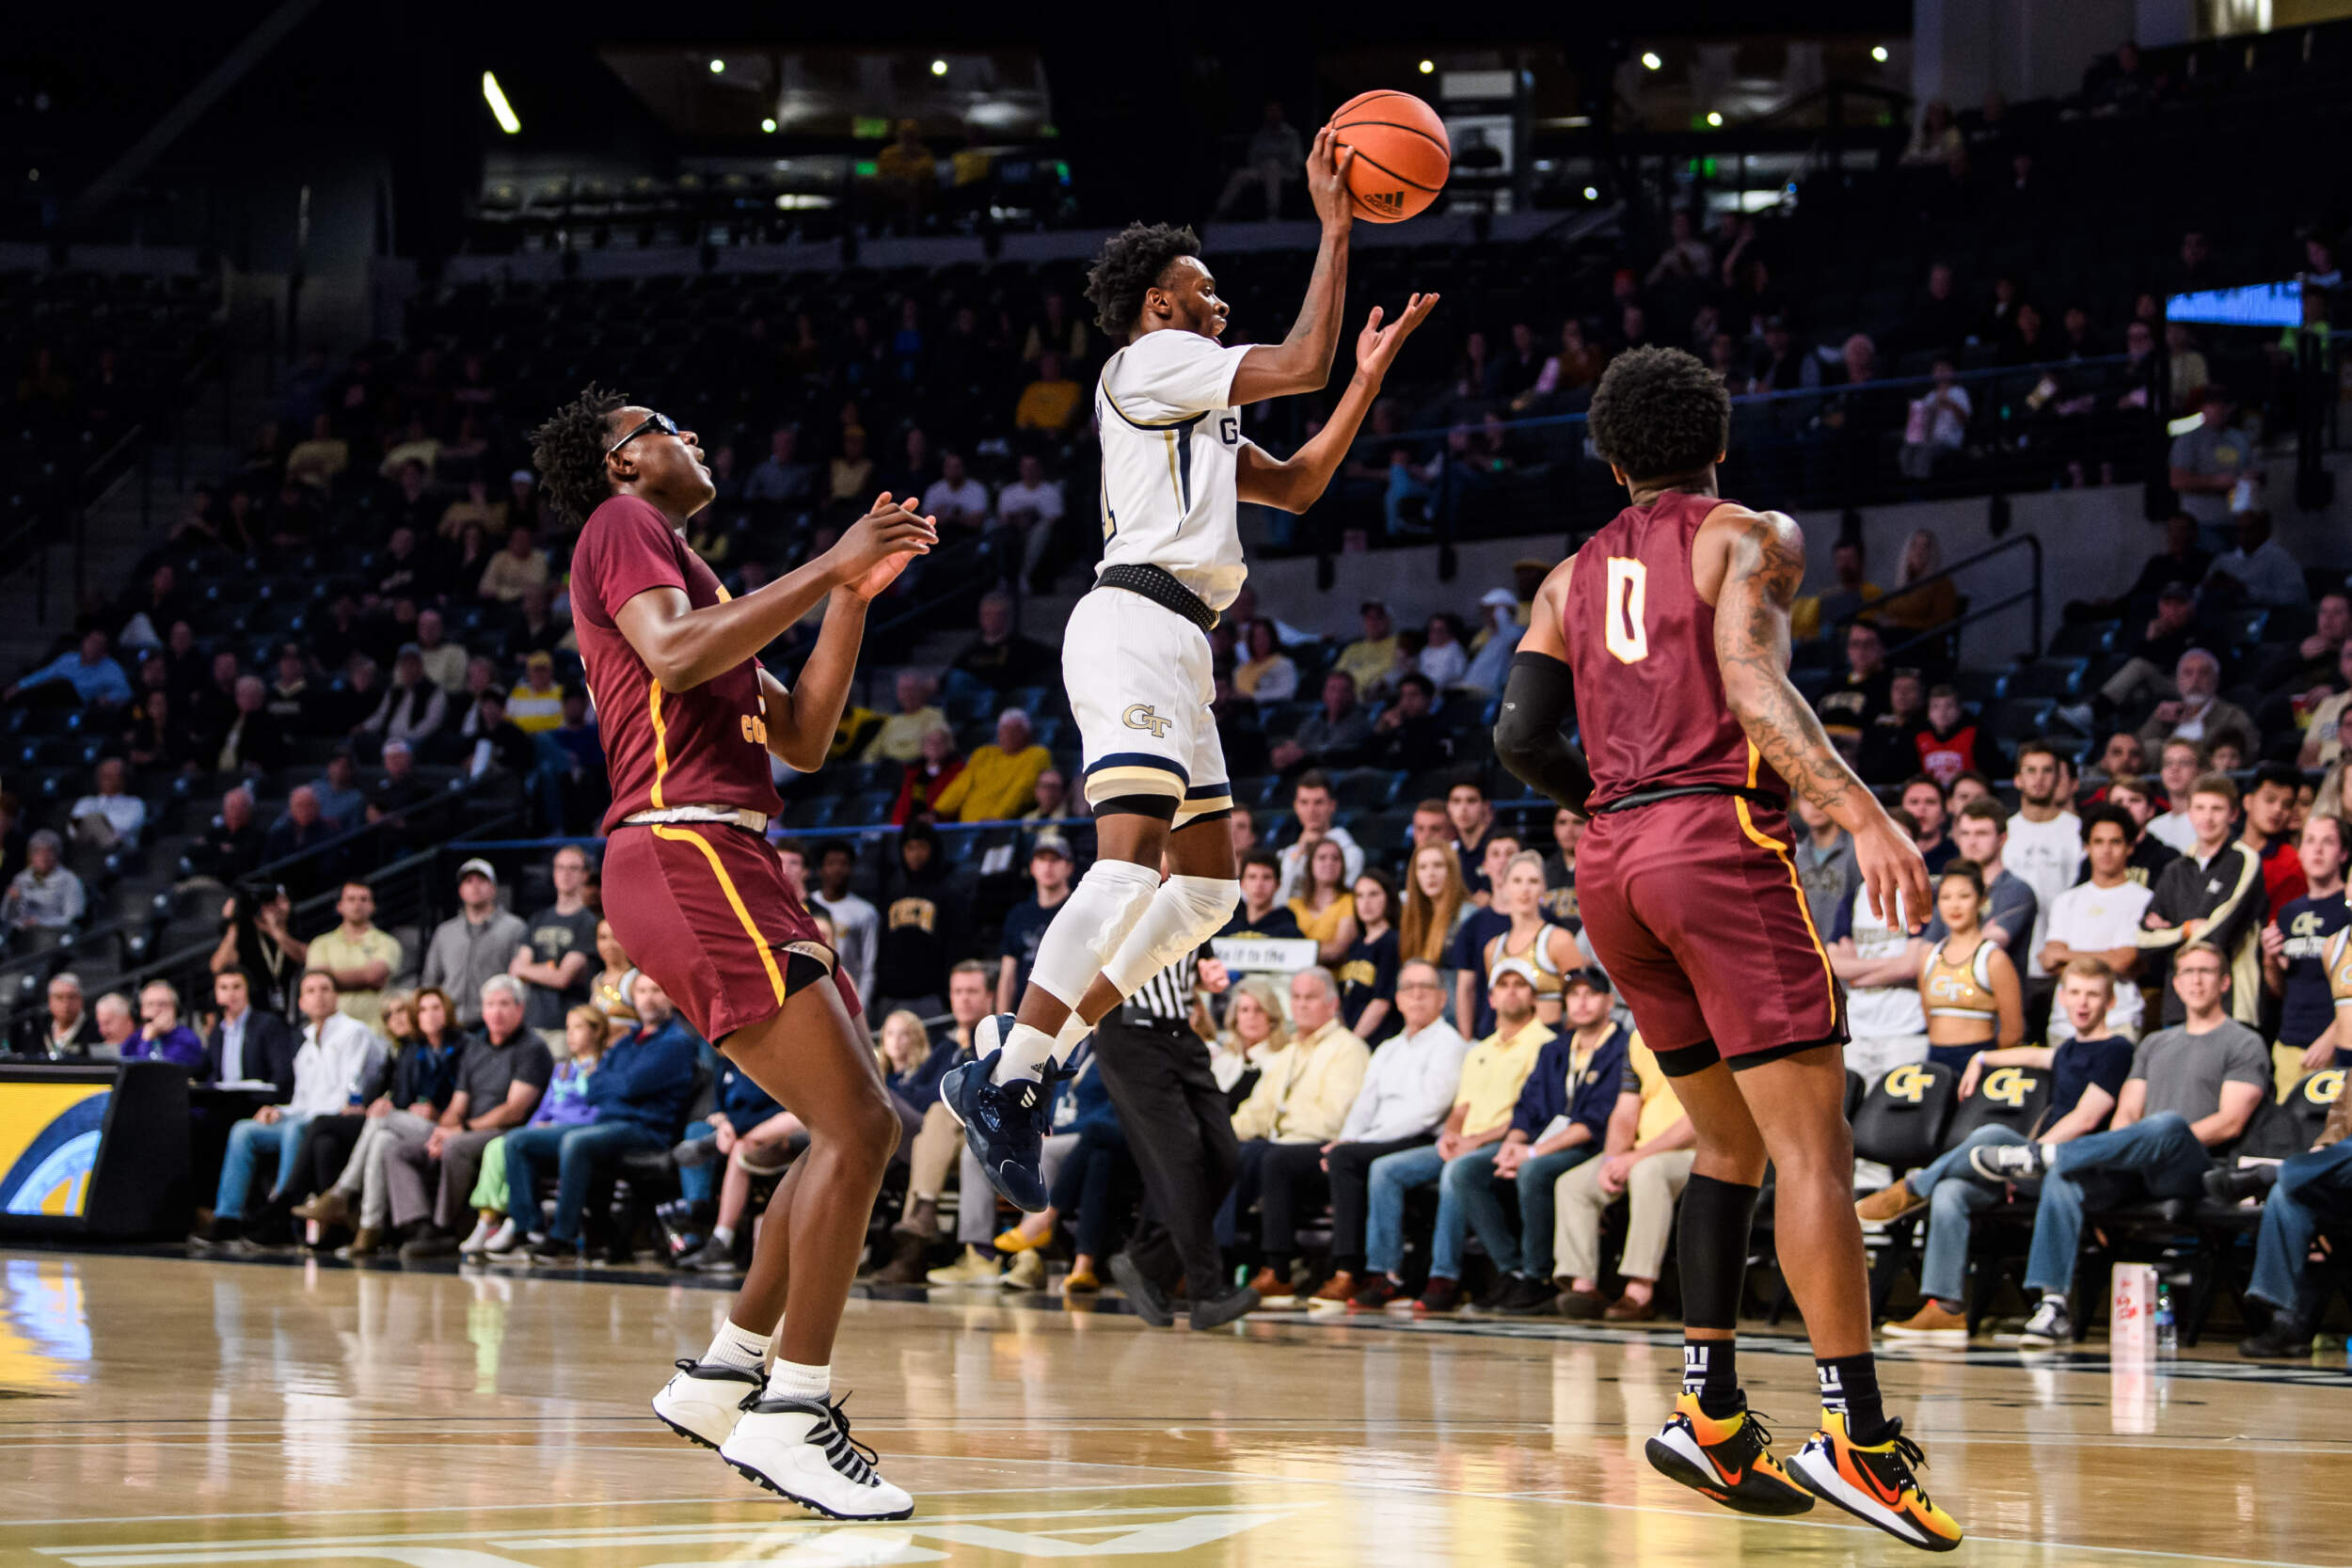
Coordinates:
[1132,262]
[568,451]
[1659,413]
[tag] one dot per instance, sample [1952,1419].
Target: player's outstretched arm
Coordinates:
[1301,362]
[802,722]
[1537,697]
[1298,483]
[684,646]
[1763,565]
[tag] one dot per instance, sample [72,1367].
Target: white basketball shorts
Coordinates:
[1139,683]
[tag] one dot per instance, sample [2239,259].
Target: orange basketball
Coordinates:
[1402,153]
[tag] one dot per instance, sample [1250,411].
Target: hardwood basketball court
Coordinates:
[159,1411]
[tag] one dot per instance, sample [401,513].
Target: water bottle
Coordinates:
[2168,1331]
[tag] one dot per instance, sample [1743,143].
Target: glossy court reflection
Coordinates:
[162,1411]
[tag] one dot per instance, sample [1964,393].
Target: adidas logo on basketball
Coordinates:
[1385,202]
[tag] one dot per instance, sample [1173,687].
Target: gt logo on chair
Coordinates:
[1140,716]
[1908,1084]
[2008,1085]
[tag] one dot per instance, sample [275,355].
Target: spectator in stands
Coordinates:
[1982,830]
[162,1036]
[900,738]
[1267,676]
[928,777]
[340,799]
[857,926]
[1443,661]
[1938,425]
[2123,756]
[1493,1073]
[2259,570]
[1877,959]
[2163,639]
[1315,802]
[302,828]
[2213,896]
[2310,669]
[414,707]
[1851,705]
[1888,752]
[2087,1067]
[1305,1088]
[781,476]
[1373,659]
[1435,901]
[90,674]
[1334,736]
[925,925]
[1825,864]
[1000,658]
[999,780]
[1367,970]
[2269,831]
[1498,639]
[500,1075]
[639,1092]
[1558,1123]
[111,818]
[1049,402]
[399,788]
[2309,1192]
[1031,507]
[318,1075]
[254,938]
[1967,982]
[69,1031]
[1407,736]
[932,1152]
[44,895]
[1646,1159]
[557,949]
[2100,918]
[2150,854]
[355,956]
[1025,923]
[444,662]
[522,565]
[535,705]
[2200,713]
[2294,948]
[535,630]
[2183,763]
[1262,912]
[2191,1089]
[1324,906]
[1851,593]
[499,742]
[475,946]
[117,1023]
[2208,462]
[2044,841]
[293,702]
[956,499]
[249,740]
[747,1126]
[2188,375]
[1274,158]
[496,1232]
[318,462]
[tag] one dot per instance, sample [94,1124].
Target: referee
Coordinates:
[1182,1135]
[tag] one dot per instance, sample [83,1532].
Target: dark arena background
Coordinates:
[2027,315]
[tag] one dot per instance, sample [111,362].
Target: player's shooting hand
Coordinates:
[1327,179]
[1893,872]
[880,545]
[1377,345]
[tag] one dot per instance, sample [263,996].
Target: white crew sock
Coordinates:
[723,1234]
[1092,923]
[792,1380]
[736,1346]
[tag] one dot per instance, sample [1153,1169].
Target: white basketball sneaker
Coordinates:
[802,1451]
[705,1401]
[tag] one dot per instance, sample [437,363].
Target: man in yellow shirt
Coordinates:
[1646,1162]
[321,460]
[535,707]
[360,959]
[1372,659]
[900,738]
[1050,401]
[1302,1097]
[1493,1074]
[1000,780]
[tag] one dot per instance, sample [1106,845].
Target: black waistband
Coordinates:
[1669,792]
[1160,586]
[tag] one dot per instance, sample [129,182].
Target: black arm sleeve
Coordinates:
[1535,698]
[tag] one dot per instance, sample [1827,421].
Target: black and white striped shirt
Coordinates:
[1168,994]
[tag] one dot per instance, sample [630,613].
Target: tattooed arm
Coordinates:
[1757,562]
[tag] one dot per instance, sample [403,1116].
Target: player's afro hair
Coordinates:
[568,451]
[1135,259]
[1659,413]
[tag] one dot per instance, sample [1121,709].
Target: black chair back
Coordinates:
[1856,1085]
[2017,1098]
[1900,1120]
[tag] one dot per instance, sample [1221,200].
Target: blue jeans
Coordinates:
[247,1140]
[1391,1177]
[1476,1200]
[2312,1186]
[577,1151]
[1954,1195]
[2161,1151]
[696,1183]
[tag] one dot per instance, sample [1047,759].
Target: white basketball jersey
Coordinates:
[1171,448]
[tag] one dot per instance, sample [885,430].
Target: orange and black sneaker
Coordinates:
[1730,1460]
[1874,1482]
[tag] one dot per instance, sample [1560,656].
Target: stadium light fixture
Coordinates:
[939,68]
[718,66]
[1714,119]
[1651,62]
[1428,66]
[768,126]
[501,109]
[1877,52]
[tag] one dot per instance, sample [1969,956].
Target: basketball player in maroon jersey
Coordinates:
[1671,629]
[698,901]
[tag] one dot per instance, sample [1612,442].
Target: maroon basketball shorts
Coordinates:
[704,909]
[1693,906]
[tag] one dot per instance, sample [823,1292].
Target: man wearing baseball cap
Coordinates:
[474,943]
[536,704]
[1498,639]
[1372,659]
[1025,922]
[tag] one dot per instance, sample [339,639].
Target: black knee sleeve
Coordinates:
[1716,1216]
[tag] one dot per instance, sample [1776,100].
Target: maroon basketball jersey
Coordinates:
[703,747]
[1650,700]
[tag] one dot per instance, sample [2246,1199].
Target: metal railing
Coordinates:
[1943,631]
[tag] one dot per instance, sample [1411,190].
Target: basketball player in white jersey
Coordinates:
[1136,653]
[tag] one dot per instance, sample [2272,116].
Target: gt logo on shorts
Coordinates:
[1140,716]
[1907,1084]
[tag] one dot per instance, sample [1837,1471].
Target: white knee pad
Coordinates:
[1187,912]
[1105,905]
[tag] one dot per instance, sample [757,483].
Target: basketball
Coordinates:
[1401,154]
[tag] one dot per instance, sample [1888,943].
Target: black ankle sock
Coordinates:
[1711,1370]
[1851,1384]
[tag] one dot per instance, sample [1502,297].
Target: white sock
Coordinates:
[792,1381]
[723,1234]
[1086,929]
[736,1346]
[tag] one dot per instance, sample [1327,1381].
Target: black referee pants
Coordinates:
[1182,1137]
